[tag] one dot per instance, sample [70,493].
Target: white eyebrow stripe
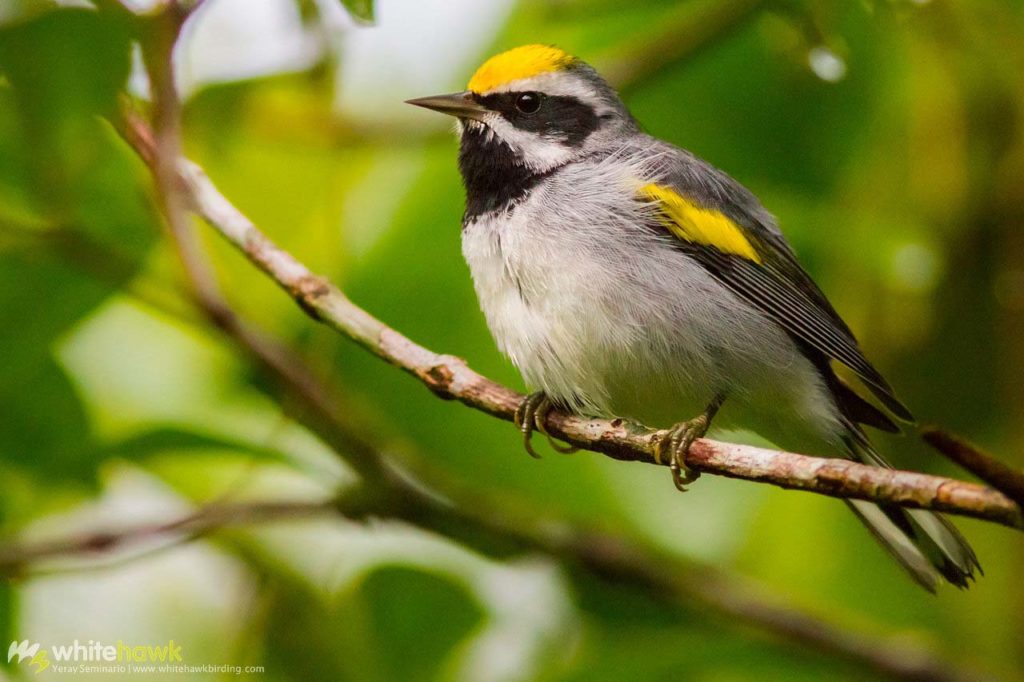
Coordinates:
[556,83]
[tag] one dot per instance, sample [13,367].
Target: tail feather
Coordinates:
[927,545]
[897,542]
[950,552]
[858,410]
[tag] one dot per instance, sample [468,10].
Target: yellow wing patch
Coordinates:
[520,62]
[692,223]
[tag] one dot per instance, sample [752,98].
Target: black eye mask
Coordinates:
[555,116]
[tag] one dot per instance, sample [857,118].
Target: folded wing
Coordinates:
[753,260]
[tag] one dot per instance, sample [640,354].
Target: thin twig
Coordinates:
[451,378]
[1000,476]
[14,558]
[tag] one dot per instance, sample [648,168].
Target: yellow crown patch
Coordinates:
[517,63]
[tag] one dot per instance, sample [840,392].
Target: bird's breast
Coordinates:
[574,290]
[520,314]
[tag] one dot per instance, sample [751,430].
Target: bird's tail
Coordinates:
[927,545]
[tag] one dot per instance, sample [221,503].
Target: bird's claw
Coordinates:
[677,441]
[530,416]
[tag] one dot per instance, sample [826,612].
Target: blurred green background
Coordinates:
[886,137]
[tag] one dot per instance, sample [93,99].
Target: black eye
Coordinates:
[528,102]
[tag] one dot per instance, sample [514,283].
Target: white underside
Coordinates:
[603,315]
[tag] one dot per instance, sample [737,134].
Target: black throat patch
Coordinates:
[493,175]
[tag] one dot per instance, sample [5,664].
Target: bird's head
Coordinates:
[544,106]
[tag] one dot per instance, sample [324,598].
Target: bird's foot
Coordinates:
[530,416]
[677,441]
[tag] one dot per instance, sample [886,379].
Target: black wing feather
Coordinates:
[778,285]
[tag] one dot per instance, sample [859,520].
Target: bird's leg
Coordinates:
[678,440]
[530,416]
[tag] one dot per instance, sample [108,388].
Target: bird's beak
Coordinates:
[461,104]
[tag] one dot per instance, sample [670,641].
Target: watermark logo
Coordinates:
[37,655]
[122,657]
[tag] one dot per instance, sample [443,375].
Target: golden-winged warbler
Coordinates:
[626,277]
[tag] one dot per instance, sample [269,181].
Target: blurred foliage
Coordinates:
[361,10]
[886,136]
[374,631]
[63,171]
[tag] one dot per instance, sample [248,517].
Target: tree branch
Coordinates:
[451,378]
[1003,478]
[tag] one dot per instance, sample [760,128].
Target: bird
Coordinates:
[628,278]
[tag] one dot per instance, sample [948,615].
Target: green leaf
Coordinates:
[361,10]
[40,298]
[418,619]
[45,429]
[398,623]
[81,196]
[65,69]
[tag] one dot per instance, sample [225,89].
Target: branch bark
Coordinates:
[451,378]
